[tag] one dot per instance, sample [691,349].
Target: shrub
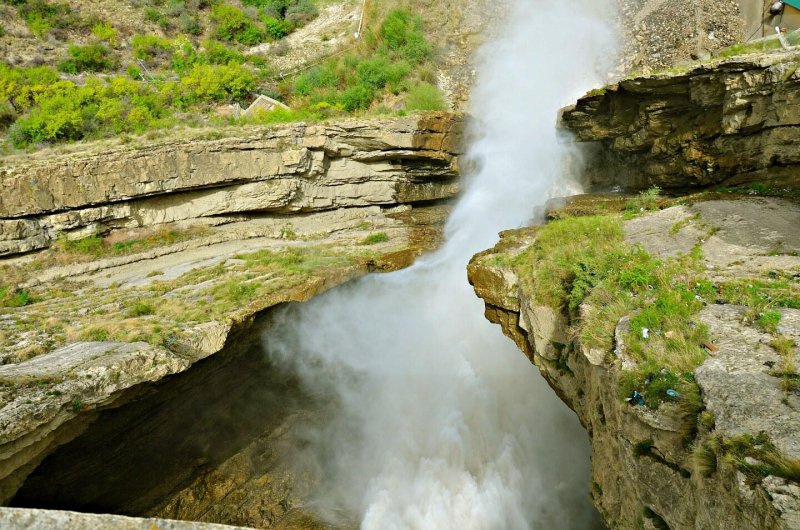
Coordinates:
[402,33]
[105,32]
[301,12]
[357,97]
[134,72]
[152,48]
[217,83]
[277,28]
[217,53]
[57,118]
[140,309]
[91,58]
[425,97]
[190,24]
[15,297]
[379,72]
[233,25]
[314,78]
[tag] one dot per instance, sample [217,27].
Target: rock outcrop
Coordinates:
[729,123]
[19,519]
[645,472]
[292,169]
[227,228]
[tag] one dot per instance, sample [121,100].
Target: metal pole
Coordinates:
[361,20]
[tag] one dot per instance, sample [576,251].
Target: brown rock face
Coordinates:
[730,123]
[282,170]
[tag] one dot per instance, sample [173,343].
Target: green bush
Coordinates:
[425,97]
[90,58]
[277,28]
[140,309]
[233,25]
[15,297]
[190,24]
[217,53]
[217,83]
[42,16]
[357,97]
[106,33]
[301,12]
[55,119]
[402,33]
[152,48]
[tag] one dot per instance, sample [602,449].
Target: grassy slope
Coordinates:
[190,59]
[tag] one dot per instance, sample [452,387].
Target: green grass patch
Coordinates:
[582,267]
[140,309]
[373,239]
[10,297]
[755,456]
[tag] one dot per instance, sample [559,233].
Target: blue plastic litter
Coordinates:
[672,393]
[635,399]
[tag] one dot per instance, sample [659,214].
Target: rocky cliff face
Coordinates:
[126,267]
[283,170]
[665,467]
[725,123]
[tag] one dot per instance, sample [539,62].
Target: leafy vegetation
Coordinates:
[182,78]
[581,267]
[392,61]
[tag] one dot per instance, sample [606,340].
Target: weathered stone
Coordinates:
[284,169]
[731,122]
[32,519]
[737,385]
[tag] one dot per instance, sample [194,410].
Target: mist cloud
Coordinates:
[440,422]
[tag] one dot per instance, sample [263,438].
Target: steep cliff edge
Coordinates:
[696,307]
[123,268]
[729,123]
[671,325]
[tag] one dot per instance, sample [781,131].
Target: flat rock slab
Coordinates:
[737,383]
[30,519]
[69,358]
[739,238]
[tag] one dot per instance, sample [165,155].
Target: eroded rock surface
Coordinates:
[726,123]
[24,519]
[663,484]
[279,170]
[230,228]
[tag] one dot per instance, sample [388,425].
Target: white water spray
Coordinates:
[441,423]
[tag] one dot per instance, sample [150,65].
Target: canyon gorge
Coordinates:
[298,326]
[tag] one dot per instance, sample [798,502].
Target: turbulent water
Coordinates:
[437,421]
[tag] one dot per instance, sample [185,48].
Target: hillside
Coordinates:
[78,70]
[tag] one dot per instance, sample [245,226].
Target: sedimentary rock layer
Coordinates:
[725,123]
[287,169]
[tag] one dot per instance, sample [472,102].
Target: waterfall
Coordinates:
[437,420]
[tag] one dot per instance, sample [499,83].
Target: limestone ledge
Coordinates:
[31,519]
[283,170]
[735,380]
[729,122]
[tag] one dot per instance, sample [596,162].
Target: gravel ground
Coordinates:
[660,34]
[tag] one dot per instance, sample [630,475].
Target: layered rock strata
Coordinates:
[728,123]
[272,216]
[292,169]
